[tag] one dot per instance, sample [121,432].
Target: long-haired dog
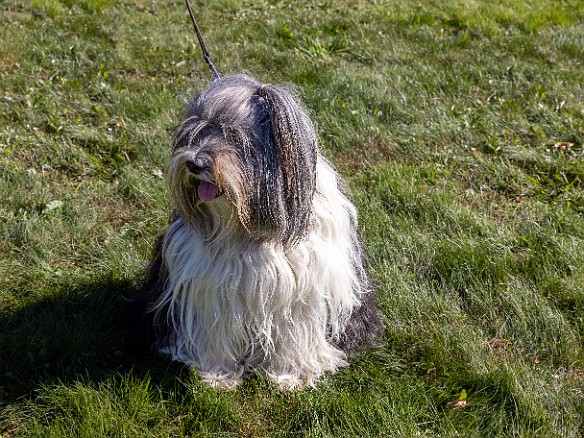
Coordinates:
[261,270]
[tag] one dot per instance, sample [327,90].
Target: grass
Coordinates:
[459,126]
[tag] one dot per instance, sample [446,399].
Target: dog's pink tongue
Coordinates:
[207,191]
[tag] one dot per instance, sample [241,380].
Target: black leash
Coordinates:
[202,44]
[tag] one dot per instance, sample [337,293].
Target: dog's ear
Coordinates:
[295,143]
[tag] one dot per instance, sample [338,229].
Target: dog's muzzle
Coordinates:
[207,189]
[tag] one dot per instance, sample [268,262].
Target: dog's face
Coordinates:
[245,158]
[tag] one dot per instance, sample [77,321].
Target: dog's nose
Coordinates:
[196,166]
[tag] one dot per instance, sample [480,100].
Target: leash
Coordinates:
[202,44]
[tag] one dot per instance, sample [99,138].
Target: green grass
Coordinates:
[459,126]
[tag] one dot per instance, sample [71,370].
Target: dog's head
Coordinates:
[245,155]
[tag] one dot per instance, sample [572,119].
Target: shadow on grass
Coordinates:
[80,333]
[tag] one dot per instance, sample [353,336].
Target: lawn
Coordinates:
[459,128]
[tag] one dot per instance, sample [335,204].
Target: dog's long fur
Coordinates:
[268,276]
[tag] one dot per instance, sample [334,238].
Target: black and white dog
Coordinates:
[261,270]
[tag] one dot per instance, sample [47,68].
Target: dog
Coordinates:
[261,271]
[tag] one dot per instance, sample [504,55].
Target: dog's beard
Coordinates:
[216,216]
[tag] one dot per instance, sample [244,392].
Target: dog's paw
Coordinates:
[220,381]
[287,382]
